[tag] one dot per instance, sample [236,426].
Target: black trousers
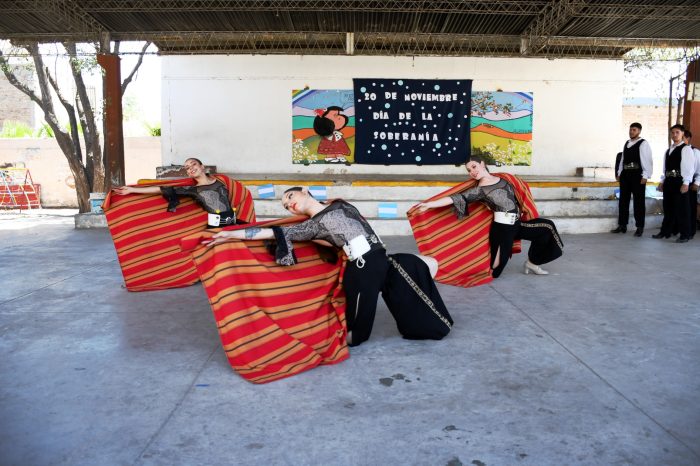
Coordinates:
[693,204]
[631,186]
[362,287]
[676,207]
[545,242]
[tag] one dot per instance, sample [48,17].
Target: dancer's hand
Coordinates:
[123,190]
[684,188]
[221,237]
[442,202]
[660,186]
[423,206]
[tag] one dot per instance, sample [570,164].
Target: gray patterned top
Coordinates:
[499,197]
[338,224]
[212,197]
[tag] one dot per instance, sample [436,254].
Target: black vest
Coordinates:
[631,154]
[673,158]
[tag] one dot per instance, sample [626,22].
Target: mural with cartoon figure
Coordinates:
[328,124]
[323,126]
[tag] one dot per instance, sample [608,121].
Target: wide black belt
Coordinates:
[631,166]
[673,174]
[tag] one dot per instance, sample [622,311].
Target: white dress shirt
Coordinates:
[687,163]
[696,178]
[644,158]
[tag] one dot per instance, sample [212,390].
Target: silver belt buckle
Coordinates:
[507,218]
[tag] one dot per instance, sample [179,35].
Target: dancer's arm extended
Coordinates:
[244,234]
[423,206]
[122,190]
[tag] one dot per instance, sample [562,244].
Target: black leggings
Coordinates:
[545,242]
[362,287]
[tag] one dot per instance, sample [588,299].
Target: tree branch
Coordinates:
[45,101]
[80,88]
[77,151]
[63,138]
[138,64]
[87,115]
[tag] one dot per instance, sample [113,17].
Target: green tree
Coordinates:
[88,168]
[668,67]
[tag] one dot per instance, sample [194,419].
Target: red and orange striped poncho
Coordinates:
[274,321]
[147,236]
[461,247]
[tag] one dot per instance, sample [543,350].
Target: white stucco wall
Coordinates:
[235,111]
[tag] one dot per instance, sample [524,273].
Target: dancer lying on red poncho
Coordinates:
[147,222]
[514,218]
[209,192]
[404,280]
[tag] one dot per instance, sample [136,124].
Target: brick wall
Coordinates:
[14,105]
[654,120]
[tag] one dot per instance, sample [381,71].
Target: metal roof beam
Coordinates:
[404,44]
[612,10]
[408,37]
[68,12]
[550,20]
[493,7]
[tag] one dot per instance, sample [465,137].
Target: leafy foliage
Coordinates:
[153,130]
[18,129]
[31,63]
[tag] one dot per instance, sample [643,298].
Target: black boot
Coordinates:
[639,232]
[619,229]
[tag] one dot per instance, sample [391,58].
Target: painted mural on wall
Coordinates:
[323,126]
[501,127]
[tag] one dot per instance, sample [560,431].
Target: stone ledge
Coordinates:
[88,220]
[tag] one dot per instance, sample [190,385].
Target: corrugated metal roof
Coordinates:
[411,27]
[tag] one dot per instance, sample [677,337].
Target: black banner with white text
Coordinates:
[412,121]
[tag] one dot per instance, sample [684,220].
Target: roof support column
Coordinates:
[691,111]
[113,129]
[349,43]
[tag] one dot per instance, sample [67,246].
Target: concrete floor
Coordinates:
[595,364]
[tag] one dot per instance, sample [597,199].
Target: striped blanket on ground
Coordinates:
[274,321]
[461,247]
[147,236]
